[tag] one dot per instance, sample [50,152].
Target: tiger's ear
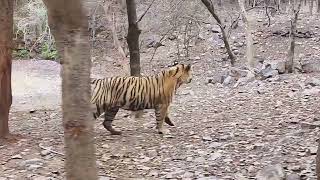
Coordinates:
[188,67]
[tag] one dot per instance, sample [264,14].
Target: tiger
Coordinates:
[138,93]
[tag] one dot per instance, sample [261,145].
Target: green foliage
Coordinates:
[47,52]
[21,53]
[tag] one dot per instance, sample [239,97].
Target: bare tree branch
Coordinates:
[161,39]
[145,12]
[210,7]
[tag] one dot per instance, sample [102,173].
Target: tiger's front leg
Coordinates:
[109,116]
[167,119]
[160,112]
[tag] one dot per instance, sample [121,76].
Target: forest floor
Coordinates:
[220,132]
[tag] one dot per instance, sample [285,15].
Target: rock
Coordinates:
[33,167]
[215,156]
[313,82]
[224,137]
[240,177]
[279,103]
[197,58]
[311,91]
[106,146]
[238,44]
[34,161]
[201,37]
[104,178]
[215,144]
[17,156]
[295,168]
[228,80]
[268,72]
[199,159]
[244,80]
[152,153]
[251,169]
[293,177]
[215,29]
[207,138]
[45,152]
[32,111]
[187,175]
[291,94]
[313,150]
[153,173]
[208,178]
[41,178]
[280,66]
[189,159]
[309,67]
[174,174]
[272,172]
[53,115]
[309,125]
[172,37]
[236,52]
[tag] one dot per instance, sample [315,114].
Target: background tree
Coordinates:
[133,38]
[249,39]
[69,25]
[6,34]
[294,19]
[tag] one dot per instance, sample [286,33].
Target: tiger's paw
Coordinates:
[163,131]
[168,121]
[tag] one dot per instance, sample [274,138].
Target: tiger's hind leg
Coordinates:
[97,114]
[160,112]
[109,115]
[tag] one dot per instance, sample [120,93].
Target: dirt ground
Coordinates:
[221,132]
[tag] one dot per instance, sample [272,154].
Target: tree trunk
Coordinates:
[311,7]
[249,38]
[6,35]
[133,38]
[289,63]
[69,25]
[210,7]
[318,162]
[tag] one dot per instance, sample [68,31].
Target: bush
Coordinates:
[31,27]
[47,52]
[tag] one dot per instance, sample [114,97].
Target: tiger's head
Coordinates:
[181,72]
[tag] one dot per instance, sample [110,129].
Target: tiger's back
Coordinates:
[129,93]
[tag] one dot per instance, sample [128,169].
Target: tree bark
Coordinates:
[318,162]
[6,35]
[133,38]
[249,38]
[69,25]
[318,6]
[289,63]
[210,7]
[311,7]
